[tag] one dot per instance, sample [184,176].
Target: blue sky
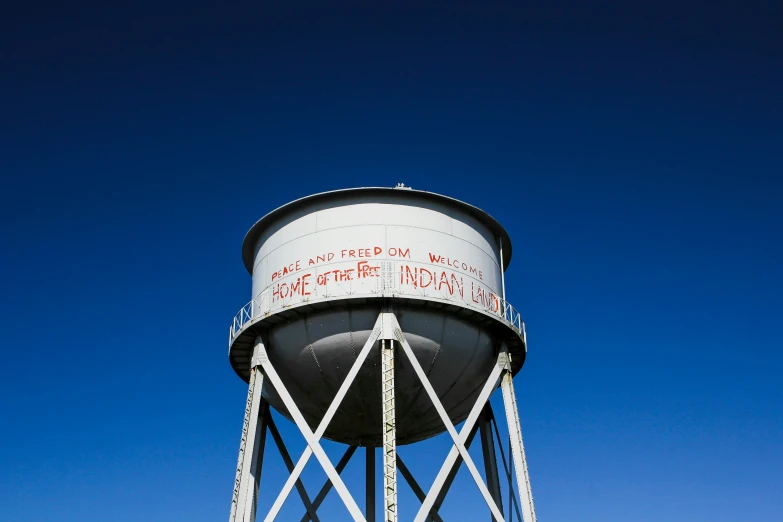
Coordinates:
[633,152]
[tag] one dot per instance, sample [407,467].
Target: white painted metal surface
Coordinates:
[376,269]
[243,504]
[313,446]
[262,306]
[324,266]
[338,250]
[386,326]
[518,448]
[458,443]
[458,448]
[389,439]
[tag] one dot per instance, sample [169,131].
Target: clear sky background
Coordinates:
[633,150]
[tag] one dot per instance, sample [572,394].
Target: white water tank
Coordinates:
[324,266]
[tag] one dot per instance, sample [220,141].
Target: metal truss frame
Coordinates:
[387,330]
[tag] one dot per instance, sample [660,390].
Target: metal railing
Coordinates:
[385,283]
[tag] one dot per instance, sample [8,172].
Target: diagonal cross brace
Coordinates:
[458,438]
[290,465]
[313,446]
[415,486]
[328,485]
[452,473]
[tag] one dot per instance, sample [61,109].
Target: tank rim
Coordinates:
[249,242]
[241,347]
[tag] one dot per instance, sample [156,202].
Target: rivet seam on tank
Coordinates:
[432,363]
[312,352]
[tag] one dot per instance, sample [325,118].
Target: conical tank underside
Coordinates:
[313,355]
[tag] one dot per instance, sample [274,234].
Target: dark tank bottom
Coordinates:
[314,351]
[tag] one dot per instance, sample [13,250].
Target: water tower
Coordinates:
[378,319]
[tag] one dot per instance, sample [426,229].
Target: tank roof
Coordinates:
[248,244]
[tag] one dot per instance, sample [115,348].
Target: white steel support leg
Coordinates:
[517,447]
[243,502]
[251,499]
[389,432]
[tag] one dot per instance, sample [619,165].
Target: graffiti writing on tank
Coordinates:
[352,271]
